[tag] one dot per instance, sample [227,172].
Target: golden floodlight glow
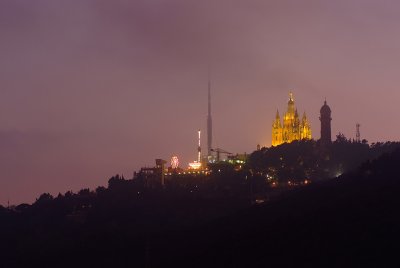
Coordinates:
[293,127]
[195,165]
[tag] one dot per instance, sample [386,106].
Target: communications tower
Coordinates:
[358,135]
[209,121]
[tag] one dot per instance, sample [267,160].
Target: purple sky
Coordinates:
[89,89]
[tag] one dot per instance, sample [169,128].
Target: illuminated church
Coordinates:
[293,128]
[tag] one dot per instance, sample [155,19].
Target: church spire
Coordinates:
[291,107]
[277,122]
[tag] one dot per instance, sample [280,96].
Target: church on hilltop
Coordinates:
[292,128]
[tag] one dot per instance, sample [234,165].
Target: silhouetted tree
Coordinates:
[46,197]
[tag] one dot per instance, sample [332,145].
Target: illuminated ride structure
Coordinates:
[174,162]
[197,164]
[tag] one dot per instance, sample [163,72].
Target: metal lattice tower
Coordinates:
[358,136]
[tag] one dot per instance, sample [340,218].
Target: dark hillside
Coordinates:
[350,221]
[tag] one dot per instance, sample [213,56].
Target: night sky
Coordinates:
[89,89]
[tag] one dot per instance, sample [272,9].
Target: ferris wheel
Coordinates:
[174,162]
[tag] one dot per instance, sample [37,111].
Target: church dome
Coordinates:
[325,109]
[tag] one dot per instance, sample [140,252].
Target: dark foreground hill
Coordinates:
[351,221]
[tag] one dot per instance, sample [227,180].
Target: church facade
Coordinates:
[292,127]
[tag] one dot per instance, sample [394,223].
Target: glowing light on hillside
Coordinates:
[195,165]
[174,162]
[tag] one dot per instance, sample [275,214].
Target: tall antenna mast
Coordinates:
[209,119]
[358,136]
